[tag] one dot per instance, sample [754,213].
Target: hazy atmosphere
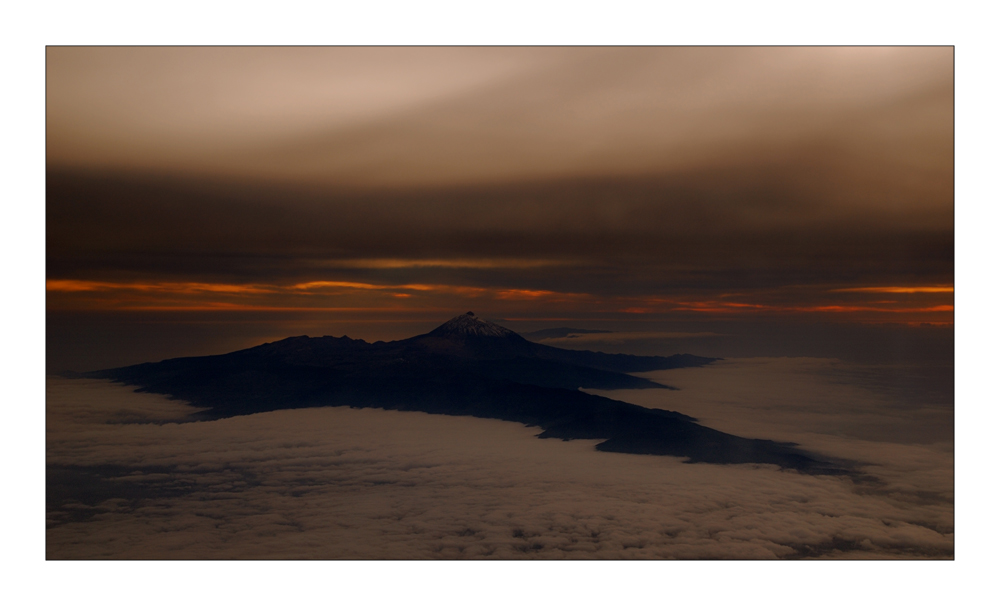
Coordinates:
[784,214]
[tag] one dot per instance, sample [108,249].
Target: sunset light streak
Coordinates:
[315,296]
[173,287]
[359,285]
[898,289]
[666,306]
[227,307]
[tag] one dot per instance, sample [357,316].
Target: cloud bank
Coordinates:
[343,483]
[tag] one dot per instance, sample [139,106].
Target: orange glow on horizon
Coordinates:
[350,296]
[722,307]
[359,285]
[849,308]
[218,306]
[177,287]
[898,289]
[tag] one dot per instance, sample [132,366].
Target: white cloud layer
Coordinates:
[343,483]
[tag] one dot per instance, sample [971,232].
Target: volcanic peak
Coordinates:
[468,324]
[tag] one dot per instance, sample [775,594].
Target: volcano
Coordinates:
[469,367]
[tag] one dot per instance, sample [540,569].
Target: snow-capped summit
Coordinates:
[469,324]
[469,336]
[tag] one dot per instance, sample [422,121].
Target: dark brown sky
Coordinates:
[368,185]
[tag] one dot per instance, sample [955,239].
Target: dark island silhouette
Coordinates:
[469,367]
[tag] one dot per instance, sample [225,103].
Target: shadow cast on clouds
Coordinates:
[360,484]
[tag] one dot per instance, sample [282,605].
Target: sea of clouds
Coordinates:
[127,478]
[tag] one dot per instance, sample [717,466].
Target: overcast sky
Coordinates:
[378,117]
[406,185]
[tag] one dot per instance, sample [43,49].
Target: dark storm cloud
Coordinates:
[342,483]
[637,234]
